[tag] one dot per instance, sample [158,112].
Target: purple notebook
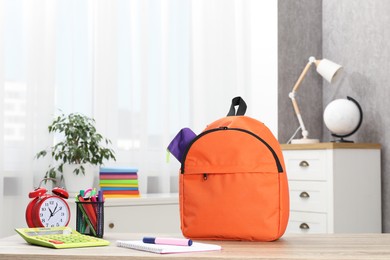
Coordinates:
[179,144]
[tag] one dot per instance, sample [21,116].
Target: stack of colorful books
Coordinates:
[119,182]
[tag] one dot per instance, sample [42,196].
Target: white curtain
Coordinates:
[234,52]
[143,69]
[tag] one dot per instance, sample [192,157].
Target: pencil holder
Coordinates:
[90,218]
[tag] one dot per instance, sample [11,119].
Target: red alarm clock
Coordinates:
[48,210]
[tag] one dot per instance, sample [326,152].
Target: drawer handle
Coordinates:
[304,164]
[304,195]
[304,226]
[111,225]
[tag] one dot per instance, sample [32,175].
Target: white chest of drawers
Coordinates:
[334,187]
[151,213]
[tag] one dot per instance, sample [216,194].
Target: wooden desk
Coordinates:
[321,246]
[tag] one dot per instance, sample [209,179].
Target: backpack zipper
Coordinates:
[277,161]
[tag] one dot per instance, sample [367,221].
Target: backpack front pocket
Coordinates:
[235,206]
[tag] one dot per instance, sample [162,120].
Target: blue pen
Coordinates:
[100,196]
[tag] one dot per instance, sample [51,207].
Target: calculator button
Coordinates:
[55,241]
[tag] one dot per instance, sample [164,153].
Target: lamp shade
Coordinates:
[328,69]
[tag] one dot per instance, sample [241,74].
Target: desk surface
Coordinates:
[325,246]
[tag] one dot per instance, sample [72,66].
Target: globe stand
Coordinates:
[342,140]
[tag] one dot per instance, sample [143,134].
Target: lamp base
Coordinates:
[305,141]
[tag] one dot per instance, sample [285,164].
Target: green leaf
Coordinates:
[81,143]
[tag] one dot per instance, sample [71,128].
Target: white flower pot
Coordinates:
[74,183]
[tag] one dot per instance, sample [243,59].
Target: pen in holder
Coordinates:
[90,218]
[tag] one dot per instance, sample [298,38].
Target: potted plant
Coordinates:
[78,153]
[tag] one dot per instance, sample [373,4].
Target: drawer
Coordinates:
[308,196]
[142,219]
[307,223]
[305,165]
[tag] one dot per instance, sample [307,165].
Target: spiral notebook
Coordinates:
[167,249]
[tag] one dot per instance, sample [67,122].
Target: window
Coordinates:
[143,69]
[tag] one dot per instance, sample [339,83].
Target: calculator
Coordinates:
[59,237]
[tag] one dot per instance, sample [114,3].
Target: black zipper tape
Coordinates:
[277,161]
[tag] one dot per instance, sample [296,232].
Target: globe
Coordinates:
[343,117]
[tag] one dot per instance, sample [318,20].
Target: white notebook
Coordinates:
[167,249]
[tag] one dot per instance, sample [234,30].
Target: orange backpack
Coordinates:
[233,184]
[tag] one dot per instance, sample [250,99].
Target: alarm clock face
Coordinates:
[51,211]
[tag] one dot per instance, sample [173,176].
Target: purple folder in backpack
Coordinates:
[179,144]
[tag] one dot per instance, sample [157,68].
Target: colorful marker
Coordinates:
[168,241]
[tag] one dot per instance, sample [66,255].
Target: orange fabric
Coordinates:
[230,185]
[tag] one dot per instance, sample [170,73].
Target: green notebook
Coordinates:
[118,181]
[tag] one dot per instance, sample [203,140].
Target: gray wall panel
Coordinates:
[299,37]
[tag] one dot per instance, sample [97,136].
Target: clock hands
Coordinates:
[52,213]
[55,211]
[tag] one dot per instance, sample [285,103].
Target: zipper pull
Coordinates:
[223,127]
[205,176]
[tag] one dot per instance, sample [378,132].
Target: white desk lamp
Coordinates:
[328,70]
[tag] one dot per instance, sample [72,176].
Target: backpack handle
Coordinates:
[237,101]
